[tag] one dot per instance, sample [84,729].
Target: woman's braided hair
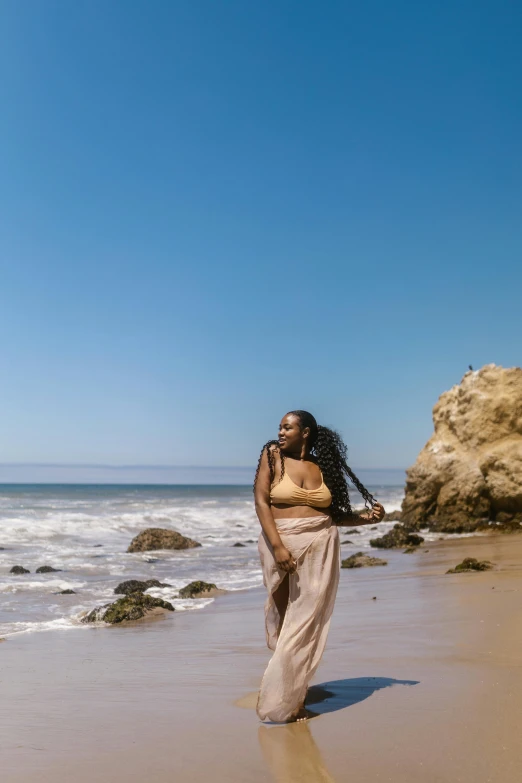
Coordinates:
[327,447]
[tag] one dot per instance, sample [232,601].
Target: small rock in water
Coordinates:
[347,542]
[133,607]
[135,585]
[374,598]
[471,564]
[47,570]
[96,545]
[250,541]
[160,538]
[67,592]
[410,549]
[360,560]
[19,570]
[374,527]
[200,589]
[238,544]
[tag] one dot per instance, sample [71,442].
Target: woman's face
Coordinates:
[291,436]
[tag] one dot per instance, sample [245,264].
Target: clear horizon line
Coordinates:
[109,466]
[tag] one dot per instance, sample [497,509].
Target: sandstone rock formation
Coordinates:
[470,471]
[159,538]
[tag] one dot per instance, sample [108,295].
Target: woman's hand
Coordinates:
[284,559]
[375,515]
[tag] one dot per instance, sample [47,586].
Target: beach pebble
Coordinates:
[19,570]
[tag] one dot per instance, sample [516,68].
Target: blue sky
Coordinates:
[213,212]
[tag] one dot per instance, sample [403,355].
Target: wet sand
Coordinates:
[422,684]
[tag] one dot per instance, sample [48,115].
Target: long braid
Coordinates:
[330,452]
[271,461]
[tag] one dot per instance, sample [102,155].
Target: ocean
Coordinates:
[84,530]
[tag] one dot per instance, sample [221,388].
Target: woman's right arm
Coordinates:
[282,556]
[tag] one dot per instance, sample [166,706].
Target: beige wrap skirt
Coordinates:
[299,644]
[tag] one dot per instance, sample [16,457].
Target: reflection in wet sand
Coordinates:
[292,755]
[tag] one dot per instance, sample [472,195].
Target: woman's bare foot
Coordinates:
[300,714]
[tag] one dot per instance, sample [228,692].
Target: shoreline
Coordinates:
[423,682]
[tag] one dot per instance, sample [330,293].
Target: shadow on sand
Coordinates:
[290,751]
[338,694]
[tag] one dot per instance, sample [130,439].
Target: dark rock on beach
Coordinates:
[200,590]
[398,536]
[67,592]
[19,570]
[133,607]
[135,585]
[471,564]
[47,570]
[347,542]
[159,538]
[238,543]
[360,560]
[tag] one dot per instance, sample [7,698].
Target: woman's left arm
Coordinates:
[366,518]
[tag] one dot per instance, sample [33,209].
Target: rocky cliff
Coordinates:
[470,471]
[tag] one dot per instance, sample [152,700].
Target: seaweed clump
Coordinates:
[471,564]
[132,607]
[199,589]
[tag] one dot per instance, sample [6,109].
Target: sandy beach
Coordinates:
[423,682]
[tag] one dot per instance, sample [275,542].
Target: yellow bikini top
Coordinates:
[287,491]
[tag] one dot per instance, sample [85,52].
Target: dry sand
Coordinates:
[425,685]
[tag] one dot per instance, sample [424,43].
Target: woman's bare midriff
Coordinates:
[283,511]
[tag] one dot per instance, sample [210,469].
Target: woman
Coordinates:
[301,495]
